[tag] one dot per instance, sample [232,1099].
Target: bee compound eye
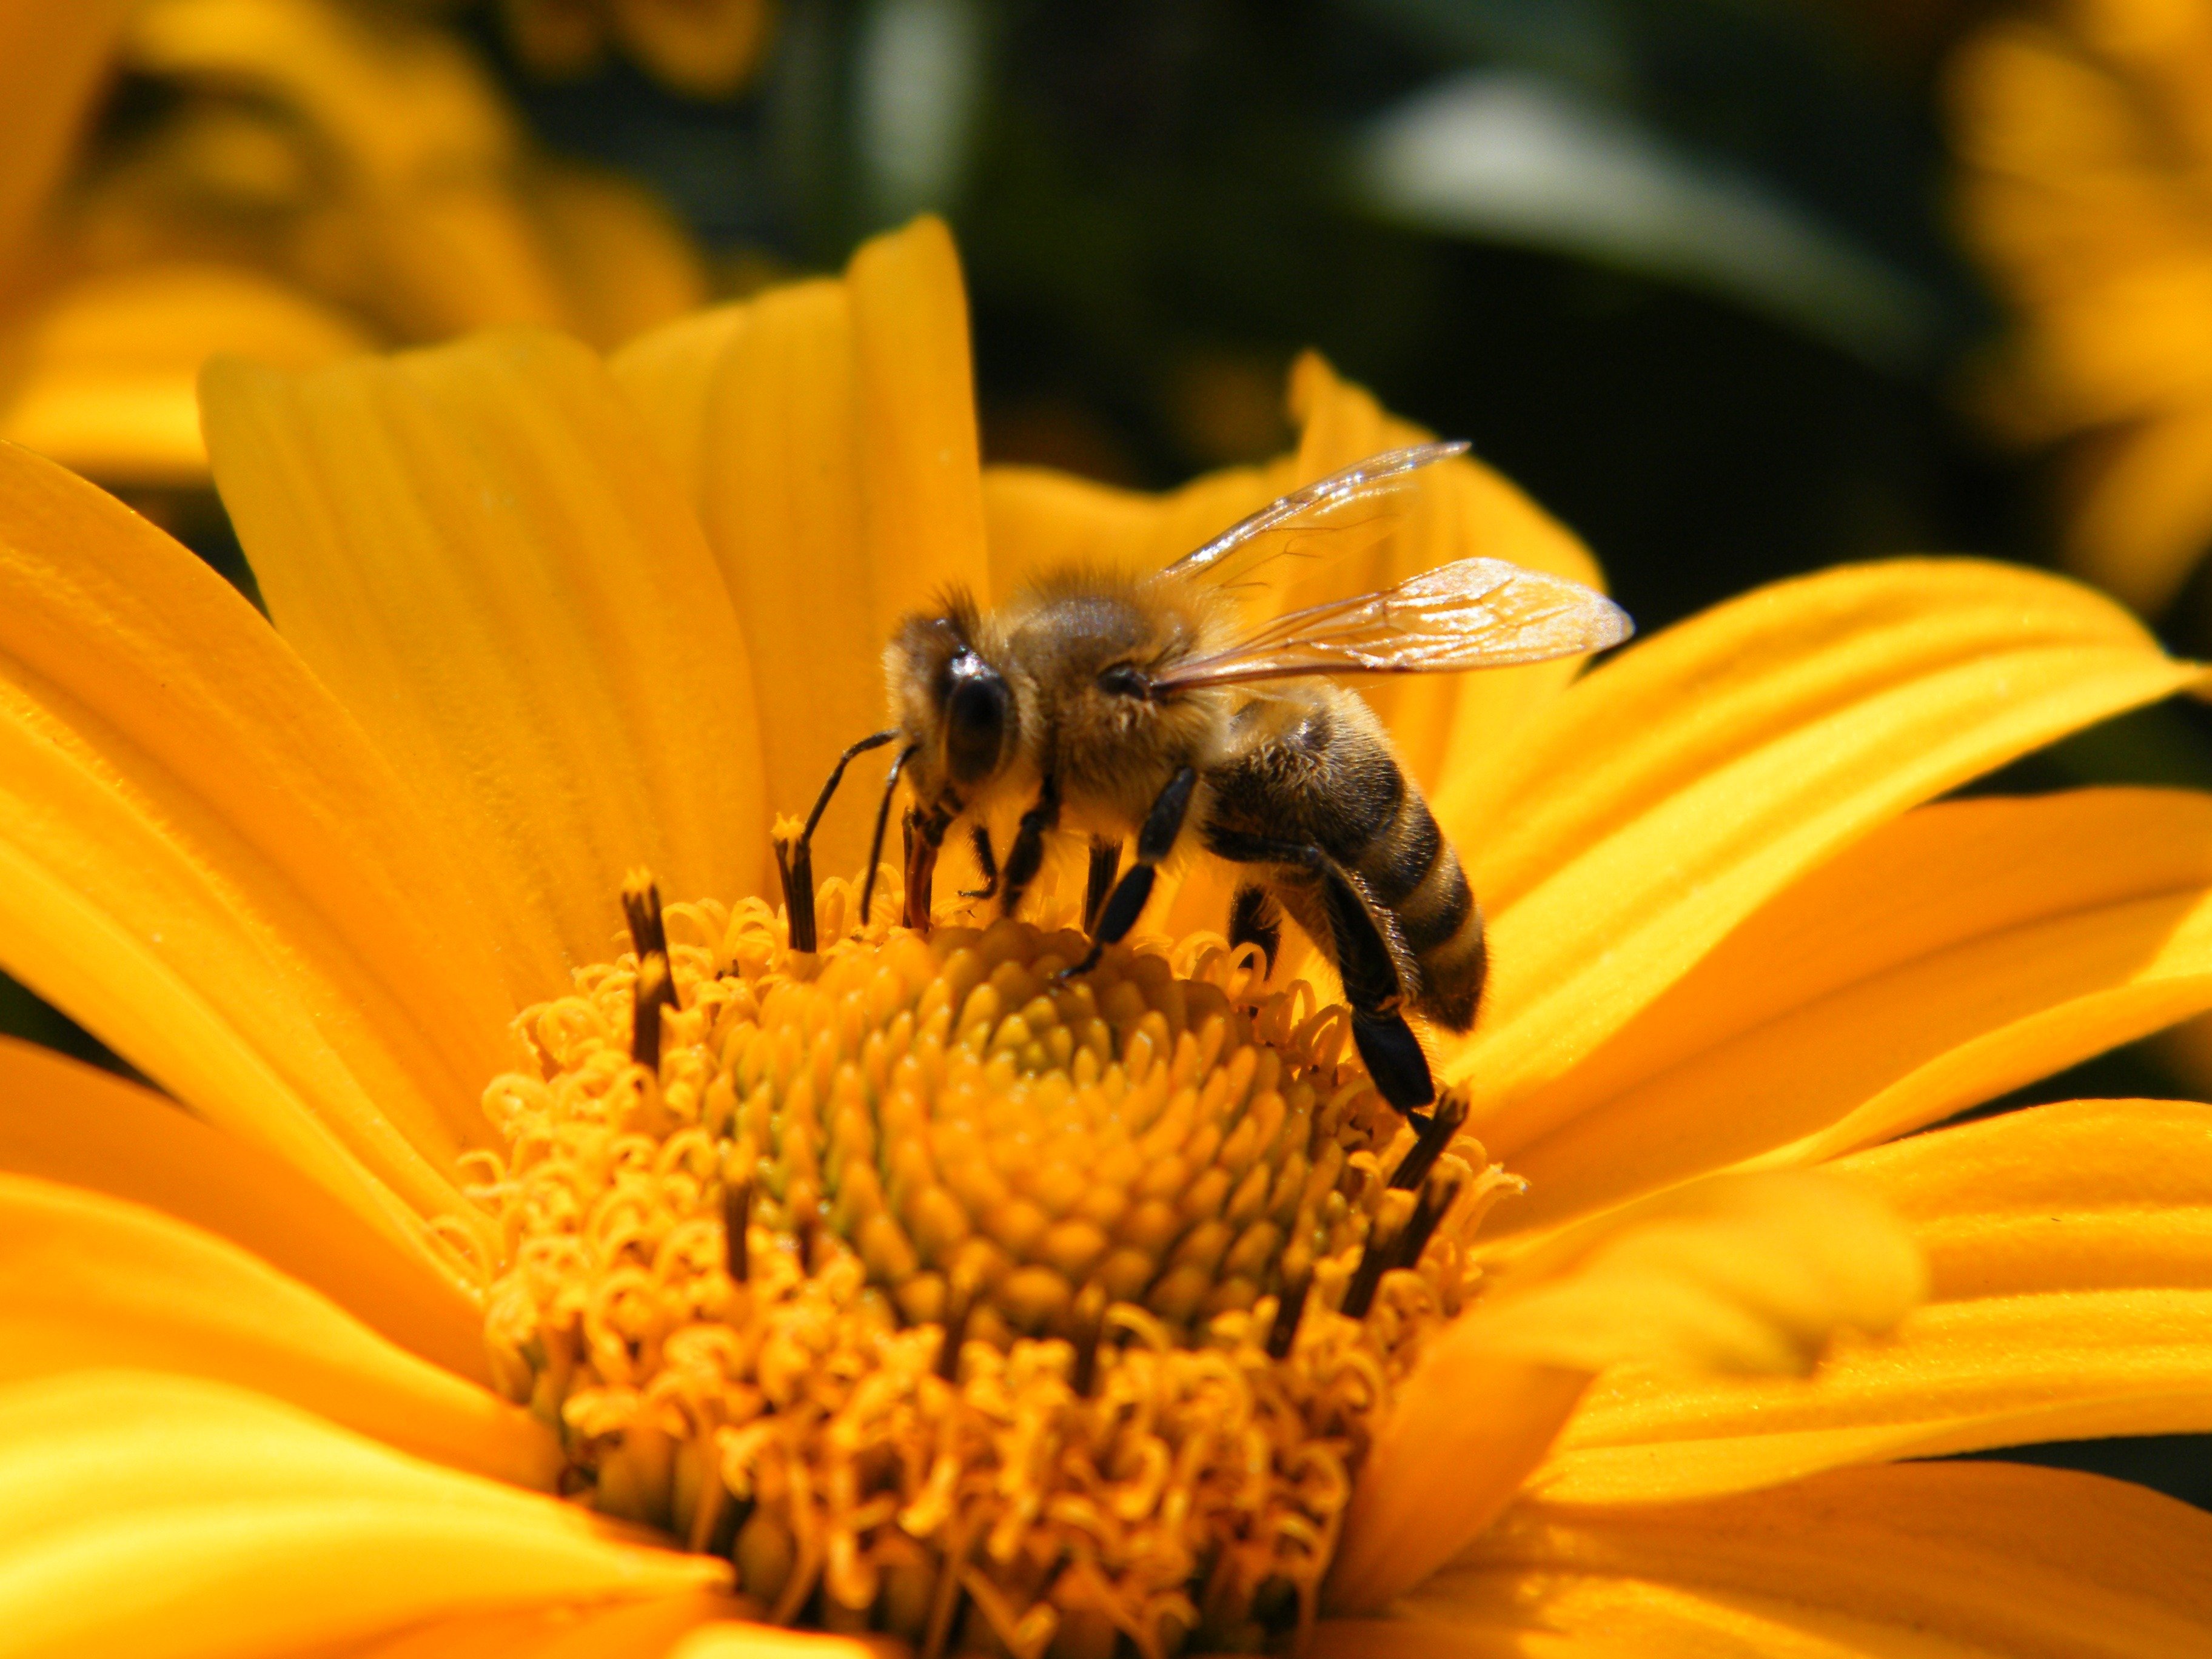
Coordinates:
[975,719]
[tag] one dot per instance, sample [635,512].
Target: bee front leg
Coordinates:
[796,865]
[1026,856]
[987,862]
[1126,902]
[925,834]
[1360,940]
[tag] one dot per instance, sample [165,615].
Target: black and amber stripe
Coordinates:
[1411,871]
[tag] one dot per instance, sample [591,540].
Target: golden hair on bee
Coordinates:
[1124,703]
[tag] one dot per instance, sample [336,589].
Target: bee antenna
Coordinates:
[883,817]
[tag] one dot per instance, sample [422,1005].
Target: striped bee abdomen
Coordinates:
[1410,869]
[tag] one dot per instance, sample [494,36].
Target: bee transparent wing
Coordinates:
[1332,518]
[1477,613]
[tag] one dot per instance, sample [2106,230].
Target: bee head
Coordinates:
[952,699]
[975,706]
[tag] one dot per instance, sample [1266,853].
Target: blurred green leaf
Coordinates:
[1504,155]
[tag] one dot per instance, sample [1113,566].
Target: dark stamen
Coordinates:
[641,903]
[1429,1210]
[654,991]
[1088,1319]
[794,869]
[736,1220]
[959,1299]
[1379,1256]
[656,986]
[1290,1308]
[1429,1146]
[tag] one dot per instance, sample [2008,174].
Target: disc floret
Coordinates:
[953,1299]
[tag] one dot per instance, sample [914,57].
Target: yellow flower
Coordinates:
[703,47]
[298,1371]
[316,177]
[2084,133]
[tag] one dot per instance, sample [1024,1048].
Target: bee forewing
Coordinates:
[1477,613]
[1329,519]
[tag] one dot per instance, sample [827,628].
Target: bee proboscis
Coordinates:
[1148,703]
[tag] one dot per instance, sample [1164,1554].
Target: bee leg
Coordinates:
[925,835]
[1105,863]
[1126,902]
[986,860]
[796,866]
[1360,941]
[1253,919]
[1026,856]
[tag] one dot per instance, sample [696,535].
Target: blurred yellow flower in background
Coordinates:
[2083,130]
[474,1206]
[294,179]
[704,47]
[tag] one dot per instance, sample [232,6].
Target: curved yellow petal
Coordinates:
[1962,950]
[477,549]
[2142,519]
[828,429]
[412,165]
[624,263]
[1920,1561]
[87,1281]
[2070,1251]
[1667,795]
[66,1122]
[107,381]
[622,1630]
[1741,1274]
[172,1518]
[730,1640]
[206,863]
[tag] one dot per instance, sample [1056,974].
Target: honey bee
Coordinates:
[1112,703]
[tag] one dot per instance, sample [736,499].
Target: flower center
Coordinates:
[953,1299]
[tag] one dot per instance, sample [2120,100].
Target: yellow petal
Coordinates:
[477,550]
[2142,521]
[837,479]
[706,50]
[1667,795]
[51,64]
[171,1518]
[91,1281]
[728,1640]
[2070,1249]
[208,864]
[624,263]
[1926,1561]
[1963,950]
[67,1123]
[109,378]
[623,1630]
[1743,1274]
[413,161]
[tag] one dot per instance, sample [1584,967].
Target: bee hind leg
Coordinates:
[1119,914]
[1255,919]
[1367,959]
[1105,865]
